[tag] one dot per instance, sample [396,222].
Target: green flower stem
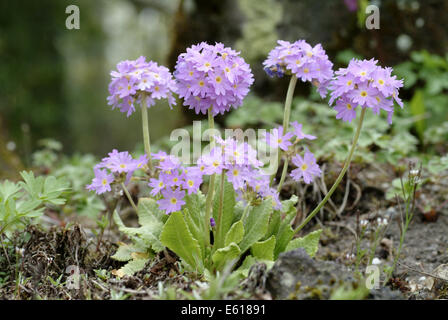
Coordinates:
[286,116]
[211,185]
[218,236]
[283,177]
[288,102]
[146,132]
[341,175]
[128,195]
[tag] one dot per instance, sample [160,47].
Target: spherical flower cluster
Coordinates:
[365,84]
[302,60]
[114,166]
[212,76]
[137,82]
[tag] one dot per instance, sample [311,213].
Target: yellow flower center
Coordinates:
[215,163]
[104,182]
[349,82]
[363,73]
[175,179]
[235,172]
[160,184]
[173,200]
[363,93]
[304,167]
[306,70]
[207,64]
[190,183]
[224,55]
[309,54]
[129,87]
[381,81]
[190,73]
[349,106]
[201,83]
[202,168]
[122,166]
[378,99]
[156,88]
[227,69]
[297,62]
[218,79]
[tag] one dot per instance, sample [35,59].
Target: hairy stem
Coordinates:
[211,185]
[221,207]
[286,116]
[341,175]
[128,195]
[146,132]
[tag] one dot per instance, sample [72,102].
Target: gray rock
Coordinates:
[296,275]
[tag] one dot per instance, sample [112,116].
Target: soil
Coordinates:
[44,254]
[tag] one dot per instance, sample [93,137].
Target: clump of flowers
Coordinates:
[173,182]
[212,76]
[117,167]
[307,168]
[302,60]
[365,84]
[140,82]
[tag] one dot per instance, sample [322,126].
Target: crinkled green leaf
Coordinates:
[228,206]
[310,243]
[235,234]
[225,255]
[256,224]
[178,238]
[264,250]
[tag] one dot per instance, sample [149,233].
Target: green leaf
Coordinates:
[133,266]
[228,206]
[195,218]
[284,236]
[235,234]
[8,189]
[310,243]
[124,252]
[150,219]
[178,238]
[256,224]
[225,255]
[264,250]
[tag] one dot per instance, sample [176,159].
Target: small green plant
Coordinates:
[26,200]
[407,198]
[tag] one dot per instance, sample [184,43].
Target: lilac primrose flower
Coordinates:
[277,139]
[365,84]
[137,80]
[298,132]
[101,183]
[172,200]
[304,61]
[306,167]
[212,76]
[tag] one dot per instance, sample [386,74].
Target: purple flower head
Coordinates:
[119,162]
[307,168]
[302,60]
[101,182]
[277,139]
[137,80]
[157,185]
[364,83]
[172,200]
[212,76]
[212,222]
